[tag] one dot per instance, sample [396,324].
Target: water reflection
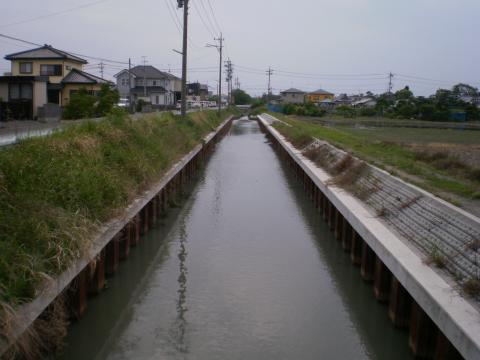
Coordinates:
[247,270]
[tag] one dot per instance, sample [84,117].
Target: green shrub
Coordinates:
[81,106]
[345,111]
[367,111]
[56,190]
[107,99]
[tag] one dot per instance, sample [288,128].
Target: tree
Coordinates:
[427,111]
[80,106]
[107,99]
[404,94]
[241,97]
[460,90]
[384,102]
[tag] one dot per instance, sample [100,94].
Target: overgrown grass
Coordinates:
[442,175]
[55,190]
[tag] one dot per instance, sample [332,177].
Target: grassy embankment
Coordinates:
[436,172]
[56,190]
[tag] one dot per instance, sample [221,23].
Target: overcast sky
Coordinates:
[339,45]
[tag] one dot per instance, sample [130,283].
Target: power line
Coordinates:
[55,13]
[212,33]
[208,18]
[175,19]
[214,17]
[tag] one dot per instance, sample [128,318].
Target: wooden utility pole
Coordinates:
[130,102]
[144,76]
[184,4]
[269,90]
[219,47]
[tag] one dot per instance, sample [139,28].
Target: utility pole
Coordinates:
[144,76]
[130,102]
[269,91]
[390,83]
[184,4]
[229,71]
[102,66]
[219,47]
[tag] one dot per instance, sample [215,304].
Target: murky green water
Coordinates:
[245,269]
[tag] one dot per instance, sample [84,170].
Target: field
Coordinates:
[445,162]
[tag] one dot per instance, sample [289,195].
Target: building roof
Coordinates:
[292,91]
[320,92]
[80,77]
[45,52]
[148,71]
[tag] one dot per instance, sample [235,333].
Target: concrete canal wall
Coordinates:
[112,243]
[442,323]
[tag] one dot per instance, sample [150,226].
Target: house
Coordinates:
[293,96]
[366,102]
[197,92]
[149,84]
[41,76]
[317,96]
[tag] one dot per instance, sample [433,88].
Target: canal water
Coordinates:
[244,269]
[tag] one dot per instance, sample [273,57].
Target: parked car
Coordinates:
[123,103]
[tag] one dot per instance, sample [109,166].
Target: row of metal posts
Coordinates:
[425,339]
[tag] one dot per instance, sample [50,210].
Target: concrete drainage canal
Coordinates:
[242,266]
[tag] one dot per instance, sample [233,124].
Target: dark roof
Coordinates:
[80,77]
[293,91]
[45,52]
[150,72]
[321,92]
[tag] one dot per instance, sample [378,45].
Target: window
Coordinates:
[51,70]
[26,68]
[157,99]
[14,91]
[154,83]
[21,92]
[124,82]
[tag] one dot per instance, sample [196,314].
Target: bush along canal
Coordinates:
[74,203]
[242,268]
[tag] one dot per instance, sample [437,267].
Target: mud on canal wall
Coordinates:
[442,323]
[38,326]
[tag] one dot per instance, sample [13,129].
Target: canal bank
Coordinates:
[442,322]
[245,268]
[32,328]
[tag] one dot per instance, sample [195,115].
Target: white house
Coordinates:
[149,84]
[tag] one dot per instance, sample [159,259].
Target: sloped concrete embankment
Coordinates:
[397,233]
[112,245]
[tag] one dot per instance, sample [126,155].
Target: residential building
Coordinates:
[153,86]
[366,102]
[44,75]
[293,96]
[318,96]
[197,91]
